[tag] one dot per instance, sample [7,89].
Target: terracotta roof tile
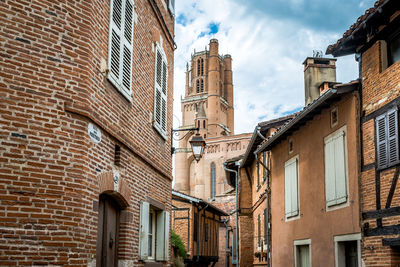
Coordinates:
[353,27]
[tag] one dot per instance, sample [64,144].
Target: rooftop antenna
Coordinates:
[317,53]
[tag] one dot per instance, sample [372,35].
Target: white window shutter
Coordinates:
[162,241]
[335,170]
[393,139]
[330,183]
[144,230]
[120,45]
[126,62]
[288,196]
[381,141]
[295,198]
[340,168]
[114,53]
[160,92]
[291,189]
[171,6]
[167,235]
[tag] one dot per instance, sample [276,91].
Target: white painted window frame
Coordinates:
[301,242]
[160,236]
[344,238]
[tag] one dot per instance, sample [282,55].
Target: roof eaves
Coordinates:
[197,200]
[270,141]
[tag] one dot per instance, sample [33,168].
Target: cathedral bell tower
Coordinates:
[208,105]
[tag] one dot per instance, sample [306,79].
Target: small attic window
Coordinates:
[334,117]
[290,144]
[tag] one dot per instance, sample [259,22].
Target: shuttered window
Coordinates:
[387,139]
[291,188]
[265,162]
[259,231]
[144,231]
[160,91]
[120,46]
[335,169]
[265,226]
[171,5]
[147,238]
[162,239]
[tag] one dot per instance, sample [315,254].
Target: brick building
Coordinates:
[208,105]
[253,185]
[375,39]
[198,223]
[85,164]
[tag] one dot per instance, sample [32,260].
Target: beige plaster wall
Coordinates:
[314,221]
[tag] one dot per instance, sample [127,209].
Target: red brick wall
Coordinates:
[380,86]
[51,88]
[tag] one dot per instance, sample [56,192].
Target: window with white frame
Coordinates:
[291,188]
[153,233]
[387,139]
[120,47]
[302,253]
[348,250]
[335,168]
[160,91]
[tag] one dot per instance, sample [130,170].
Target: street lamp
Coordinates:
[198,145]
[197,142]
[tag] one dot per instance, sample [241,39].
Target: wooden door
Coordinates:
[107,237]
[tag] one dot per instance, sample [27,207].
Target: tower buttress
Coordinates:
[228,87]
[213,90]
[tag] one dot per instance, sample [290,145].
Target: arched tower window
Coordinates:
[202,67]
[201,85]
[197,86]
[204,124]
[213,181]
[198,66]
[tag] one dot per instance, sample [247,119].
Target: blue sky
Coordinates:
[268,41]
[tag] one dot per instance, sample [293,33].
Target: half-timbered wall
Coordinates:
[379,189]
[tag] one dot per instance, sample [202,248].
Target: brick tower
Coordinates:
[208,104]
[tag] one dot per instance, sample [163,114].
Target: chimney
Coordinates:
[317,70]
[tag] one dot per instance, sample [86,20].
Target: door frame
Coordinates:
[100,225]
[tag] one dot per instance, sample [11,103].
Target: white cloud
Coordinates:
[267,57]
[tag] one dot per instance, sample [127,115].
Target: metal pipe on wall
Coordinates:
[237,214]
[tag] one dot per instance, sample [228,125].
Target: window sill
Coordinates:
[126,95]
[161,133]
[337,206]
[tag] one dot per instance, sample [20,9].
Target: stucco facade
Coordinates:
[315,221]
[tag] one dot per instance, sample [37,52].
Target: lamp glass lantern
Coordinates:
[198,144]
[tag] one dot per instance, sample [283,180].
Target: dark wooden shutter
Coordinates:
[259,231]
[381,144]
[393,137]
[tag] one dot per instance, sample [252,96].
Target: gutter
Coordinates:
[236,211]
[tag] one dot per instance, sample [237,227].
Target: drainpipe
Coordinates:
[258,128]
[237,215]
[227,242]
